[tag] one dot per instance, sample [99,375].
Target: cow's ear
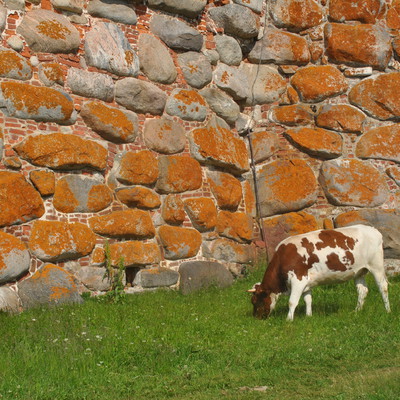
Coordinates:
[254,288]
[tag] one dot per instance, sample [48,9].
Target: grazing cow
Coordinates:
[321,257]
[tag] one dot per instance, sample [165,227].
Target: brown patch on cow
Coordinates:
[333,263]
[312,257]
[331,238]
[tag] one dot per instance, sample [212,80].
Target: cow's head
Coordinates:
[263,301]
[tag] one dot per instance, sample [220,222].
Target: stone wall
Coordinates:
[136,123]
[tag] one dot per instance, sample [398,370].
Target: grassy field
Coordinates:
[164,345]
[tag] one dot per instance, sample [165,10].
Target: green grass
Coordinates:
[164,345]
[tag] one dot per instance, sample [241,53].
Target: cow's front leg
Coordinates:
[295,294]
[308,300]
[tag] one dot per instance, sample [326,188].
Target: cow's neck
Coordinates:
[274,281]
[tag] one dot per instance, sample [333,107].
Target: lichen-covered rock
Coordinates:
[173,211]
[139,197]
[48,32]
[222,104]
[291,115]
[236,20]
[228,251]
[186,104]
[393,15]
[228,49]
[81,194]
[378,96]
[316,141]
[188,8]
[155,61]
[135,253]
[202,212]
[280,227]
[341,118]
[50,74]
[19,201]
[117,11]
[58,241]
[235,225]
[232,81]
[296,15]
[380,143]
[226,189]
[156,277]
[106,47]
[196,69]
[214,144]
[164,135]
[179,243]
[178,174]
[358,45]
[280,47]
[176,34]
[386,221]
[197,275]
[21,100]
[111,123]
[14,258]
[129,224]
[90,84]
[364,11]
[350,182]
[62,151]
[9,300]
[44,181]
[394,173]
[49,285]
[267,85]
[14,66]
[139,168]
[140,96]
[317,83]
[264,144]
[286,185]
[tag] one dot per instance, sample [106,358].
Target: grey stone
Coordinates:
[115,10]
[93,278]
[212,56]
[267,85]
[164,135]
[155,61]
[228,49]
[222,104]
[196,69]
[14,258]
[188,105]
[175,33]
[106,47]
[74,6]
[3,18]
[48,32]
[233,81]
[78,19]
[14,66]
[49,285]
[113,124]
[9,300]
[90,84]
[386,221]
[140,96]
[236,20]
[15,4]
[188,8]
[255,5]
[15,42]
[156,277]
[197,275]
[227,250]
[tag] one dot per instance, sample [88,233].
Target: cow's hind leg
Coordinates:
[362,290]
[381,281]
[308,300]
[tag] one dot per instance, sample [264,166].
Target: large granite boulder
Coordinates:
[226,189]
[156,277]
[187,8]
[115,10]
[186,104]
[196,69]
[202,212]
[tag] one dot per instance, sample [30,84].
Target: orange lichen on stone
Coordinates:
[202,212]
[249,199]
[365,11]
[58,292]
[53,29]
[292,115]
[30,99]
[173,211]
[393,15]
[129,57]
[235,225]
[19,201]
[135,224]
[53,72]
[99,197]
[139,168]
[179,243]
[64,198]
[44,181]
[226,189]
[189,97]
[9,61]
[135,253]
[140,197]
[9,246]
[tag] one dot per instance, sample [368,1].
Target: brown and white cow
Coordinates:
[321,257]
